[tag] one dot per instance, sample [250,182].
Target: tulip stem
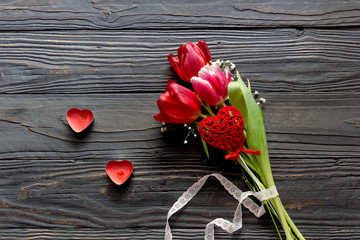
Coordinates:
[203,116]
[208,108]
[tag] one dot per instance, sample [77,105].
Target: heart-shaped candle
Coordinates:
[225,131]
[119,171]
[79,120]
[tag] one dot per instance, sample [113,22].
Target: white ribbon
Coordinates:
[242,197]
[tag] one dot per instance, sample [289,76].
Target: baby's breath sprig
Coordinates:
[223,64]
[190,133]
[261,100]
[187,129]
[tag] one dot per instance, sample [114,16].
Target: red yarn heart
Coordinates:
[79,120]
[225,131]
[119,171]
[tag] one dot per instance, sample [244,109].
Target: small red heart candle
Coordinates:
[119,171]
[79,120]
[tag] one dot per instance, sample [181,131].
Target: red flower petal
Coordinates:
[205,91]
[174,62]
[204,48]
[191,58]
[178,105]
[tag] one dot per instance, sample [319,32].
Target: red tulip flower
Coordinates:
[191,58]
[212,84]
[178,105]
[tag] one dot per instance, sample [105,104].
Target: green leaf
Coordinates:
[240,97]
[205,147]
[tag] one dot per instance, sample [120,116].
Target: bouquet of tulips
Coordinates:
[238,128]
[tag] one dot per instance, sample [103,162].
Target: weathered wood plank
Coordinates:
[63,194]
[283,60]
[51,179]
[108,14]
[53,184]
[145,233]
[34,126]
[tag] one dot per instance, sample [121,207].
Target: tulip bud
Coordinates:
[191,58]
[211,85]
[178,105]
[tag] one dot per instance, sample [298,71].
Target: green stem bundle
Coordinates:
[276,205]
[257,166]
[241,97]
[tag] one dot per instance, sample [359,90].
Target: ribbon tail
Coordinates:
[233,156]
[250,151]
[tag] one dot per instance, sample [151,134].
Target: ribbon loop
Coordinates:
[242,197]
[235,155]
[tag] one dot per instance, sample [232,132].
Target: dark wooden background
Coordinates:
[111,57]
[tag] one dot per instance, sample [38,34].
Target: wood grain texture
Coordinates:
[145,233]
[109,14]
[281,60]
[51,179]
[111,57]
